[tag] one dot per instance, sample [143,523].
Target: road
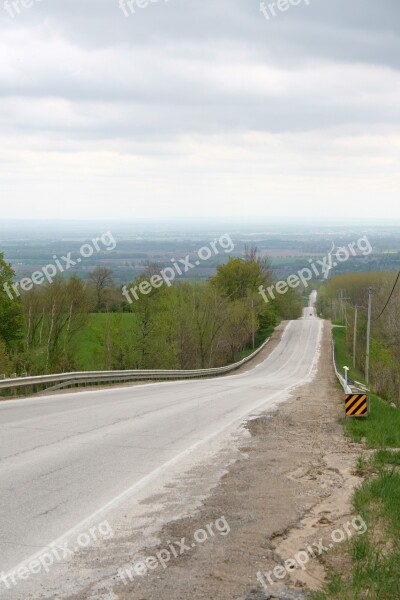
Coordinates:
[312,312]
[67,458]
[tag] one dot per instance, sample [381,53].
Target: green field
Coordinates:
[89,344]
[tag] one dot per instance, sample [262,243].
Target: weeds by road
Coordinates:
[371,566]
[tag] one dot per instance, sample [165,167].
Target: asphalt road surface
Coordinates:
[69,457]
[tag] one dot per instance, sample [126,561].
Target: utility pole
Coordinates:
[341,305]
[368,335]
[346,322]
[252,322]
[355,337]
[343,312]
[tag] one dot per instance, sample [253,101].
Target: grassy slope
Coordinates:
[261,336]
[382,428]
[375,556]
[89,344]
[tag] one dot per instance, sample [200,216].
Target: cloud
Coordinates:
[181,85]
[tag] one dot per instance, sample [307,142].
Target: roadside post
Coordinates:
[346,373]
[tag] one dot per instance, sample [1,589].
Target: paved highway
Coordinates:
[67,457]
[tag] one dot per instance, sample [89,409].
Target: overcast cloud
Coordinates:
[199,107]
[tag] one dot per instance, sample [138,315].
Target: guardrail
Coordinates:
[356,387]
[62,380]
[361,386]
[342,380]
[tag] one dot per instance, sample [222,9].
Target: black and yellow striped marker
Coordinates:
[356,405]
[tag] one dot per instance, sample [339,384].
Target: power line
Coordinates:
[391,294]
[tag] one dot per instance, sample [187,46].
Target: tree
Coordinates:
[102,282]
[54,314]
[5,363]
[11,315]
[251,254]
[238,327]
[237,277]
[154,335]
[289,305]
[209,315]
[385,331]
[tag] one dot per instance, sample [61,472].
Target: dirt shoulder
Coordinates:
[291,486]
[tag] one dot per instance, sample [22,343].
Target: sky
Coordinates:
[199,108]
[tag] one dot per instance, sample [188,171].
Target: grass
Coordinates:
[382,428]
[387,457]
[372,567]
[344,357]
[374,557]
[261,336]
[89,343]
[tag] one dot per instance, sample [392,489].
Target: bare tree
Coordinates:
[101,279]
[252,254]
